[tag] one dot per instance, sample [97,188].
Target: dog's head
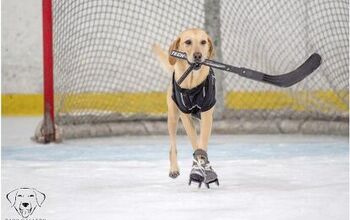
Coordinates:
[196,43]
[25,200]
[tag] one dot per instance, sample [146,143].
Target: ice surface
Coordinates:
[261,177]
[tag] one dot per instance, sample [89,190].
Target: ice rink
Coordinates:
[261,177]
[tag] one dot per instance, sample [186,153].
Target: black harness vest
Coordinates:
[198,99]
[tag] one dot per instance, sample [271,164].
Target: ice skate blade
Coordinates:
[196,181]
[207,184]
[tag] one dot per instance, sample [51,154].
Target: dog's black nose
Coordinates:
[197,56]
[25,204]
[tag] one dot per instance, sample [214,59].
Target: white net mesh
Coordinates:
[276,36]
[105,71]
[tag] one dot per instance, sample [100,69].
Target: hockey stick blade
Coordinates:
[284,80]
[287,79]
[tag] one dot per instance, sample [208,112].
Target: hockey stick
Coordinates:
[283,80]
[185,74]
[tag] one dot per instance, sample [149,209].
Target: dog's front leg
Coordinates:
[173,118]
[188,124]
[205,126]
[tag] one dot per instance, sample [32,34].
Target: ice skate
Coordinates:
[197,174]
[202,170]
[211,176]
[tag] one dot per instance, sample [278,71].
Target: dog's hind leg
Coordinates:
[173,118]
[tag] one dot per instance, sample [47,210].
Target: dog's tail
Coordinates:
[163,58]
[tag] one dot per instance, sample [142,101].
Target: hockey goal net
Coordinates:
[105,80]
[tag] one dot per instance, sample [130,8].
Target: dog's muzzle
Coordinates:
[25,209]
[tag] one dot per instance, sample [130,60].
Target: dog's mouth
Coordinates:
[197,66]
[25,212]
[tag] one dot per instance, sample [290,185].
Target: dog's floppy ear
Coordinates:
[40,197]
[173,46]
[211,48]
[11,197]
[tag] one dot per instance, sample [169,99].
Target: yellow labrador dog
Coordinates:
[25,200]
[194,98]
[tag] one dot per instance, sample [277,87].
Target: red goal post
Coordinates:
[48,129]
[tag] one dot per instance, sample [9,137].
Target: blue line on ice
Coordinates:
[122,150]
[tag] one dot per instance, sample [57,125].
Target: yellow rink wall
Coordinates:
[155,102]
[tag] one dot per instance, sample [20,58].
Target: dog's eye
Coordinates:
[203,42]
[31,195]
[19,195]
[188,42]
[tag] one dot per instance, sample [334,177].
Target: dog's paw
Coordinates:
[174,174]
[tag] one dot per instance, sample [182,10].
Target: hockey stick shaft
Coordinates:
[185,74]
[284,80]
